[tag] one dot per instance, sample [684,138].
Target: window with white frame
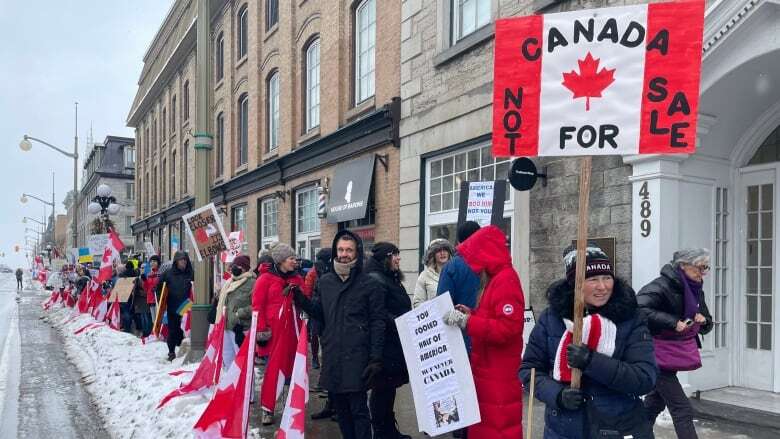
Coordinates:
[130,191]
[129,220]
[365,42]
[129,156]
[243,30]
[273,111]
[306,211]
[313,85]
[720,269]
[219,57]
[444,174]
[271,13]
[468,16]
[243,130]
[269,220]
[219,143]
[238,223]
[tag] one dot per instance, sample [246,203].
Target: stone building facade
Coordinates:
[300,89]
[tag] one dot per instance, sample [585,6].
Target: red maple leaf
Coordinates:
[588,83]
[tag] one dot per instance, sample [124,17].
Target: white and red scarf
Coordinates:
[598,333]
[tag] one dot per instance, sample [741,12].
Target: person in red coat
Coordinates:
[268,296]
[495,326]
[150,283]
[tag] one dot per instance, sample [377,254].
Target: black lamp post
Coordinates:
[104,204]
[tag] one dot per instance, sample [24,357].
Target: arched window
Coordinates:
[243,129]
[243,29]
[271,13]
[365,42]
[185,101]
[769,151]
[219,149]
[173,177]
[273,111]
[219,57]
[184,169]
[313,85]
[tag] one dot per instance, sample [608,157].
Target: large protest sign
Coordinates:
[439,371]
[205,231]
[234,246]
[97,243]
[610,81]
[123,289]
[482,202]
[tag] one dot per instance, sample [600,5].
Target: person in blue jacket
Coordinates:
[456,276]
[617,359]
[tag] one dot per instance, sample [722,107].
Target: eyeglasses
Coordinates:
[702,268]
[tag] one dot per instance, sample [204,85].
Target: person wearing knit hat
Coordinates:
[596,262]
[438,253]
[235,306]
[381,250]
[243,262]
[615,355]
[280,252]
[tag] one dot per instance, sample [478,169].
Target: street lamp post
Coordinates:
[104,204]
[27,218]
[26,145]
[48,252]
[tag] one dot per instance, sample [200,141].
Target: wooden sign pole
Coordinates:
[582,243]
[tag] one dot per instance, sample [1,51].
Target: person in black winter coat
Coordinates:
[178,282]
[613,380]
[351,309]
[384,267]
[675,309]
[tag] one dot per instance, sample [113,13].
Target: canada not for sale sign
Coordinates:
[612,81]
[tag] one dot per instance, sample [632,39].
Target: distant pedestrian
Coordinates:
[235,301]
[616,360]
[150,278]
[127,309]
[138,304]
[438,253]
[676,314]
[495,325]
[19,275]
[178,282]
[351,309]
[384,267]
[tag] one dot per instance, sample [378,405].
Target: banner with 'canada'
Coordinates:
[612,81]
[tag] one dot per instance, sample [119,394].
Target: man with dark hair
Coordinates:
[178,281]
[456,276]
[351,309]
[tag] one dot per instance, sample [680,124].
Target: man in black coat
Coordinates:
[384,267]
[178,281]
[351,309]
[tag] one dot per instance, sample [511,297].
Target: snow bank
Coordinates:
[127,379]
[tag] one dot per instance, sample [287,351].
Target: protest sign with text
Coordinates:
[205,230]
[439,371]
[611,81]
[482,202]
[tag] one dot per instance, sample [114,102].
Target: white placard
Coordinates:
[207,235]
[480,202]
[149,249]
[528,326]
[439,371]
[97,244]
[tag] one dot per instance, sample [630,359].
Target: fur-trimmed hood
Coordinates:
[620,307]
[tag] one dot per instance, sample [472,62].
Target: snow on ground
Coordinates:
[10,347]
[127,379]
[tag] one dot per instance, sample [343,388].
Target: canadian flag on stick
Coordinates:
[113,315]
[227,415]
[110,253]
[292,426]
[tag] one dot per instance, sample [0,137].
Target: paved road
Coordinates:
[52,401]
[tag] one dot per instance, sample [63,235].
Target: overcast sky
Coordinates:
[55,53]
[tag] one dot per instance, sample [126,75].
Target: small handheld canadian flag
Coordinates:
[110,253]
[292,426]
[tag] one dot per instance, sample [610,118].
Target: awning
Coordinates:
[350,189]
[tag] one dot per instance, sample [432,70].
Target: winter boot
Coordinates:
[171,356]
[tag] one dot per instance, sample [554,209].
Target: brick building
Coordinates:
[297,97]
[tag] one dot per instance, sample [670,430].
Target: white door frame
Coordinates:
[745,176]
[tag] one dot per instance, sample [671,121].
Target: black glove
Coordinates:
[570,399]
[371,371]
[579,356]
[290,288]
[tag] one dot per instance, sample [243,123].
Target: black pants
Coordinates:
[352,411]
[669,393]
[19,284]
[175,334]
[381,403]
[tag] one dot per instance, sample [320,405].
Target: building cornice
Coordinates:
[722,18]
[164,217]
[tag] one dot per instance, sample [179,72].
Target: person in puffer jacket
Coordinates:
[495,326]
[437,255]
[616,358]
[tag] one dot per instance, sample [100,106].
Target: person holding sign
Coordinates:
[178,281]
[616,357]
[495,326]
[676,314]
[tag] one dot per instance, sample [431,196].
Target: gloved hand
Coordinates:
[579,356]
[371,371]
[455,318]
[570,399]
[290,288]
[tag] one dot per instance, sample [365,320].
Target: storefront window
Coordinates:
[238,222]
[307,230]
[269,221]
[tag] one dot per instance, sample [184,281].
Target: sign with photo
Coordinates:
[482,202]
[445,398]
[611,81]
[235,244]
[205,231]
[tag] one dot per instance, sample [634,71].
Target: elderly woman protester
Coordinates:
[439,252]
[676,314]
[615,357]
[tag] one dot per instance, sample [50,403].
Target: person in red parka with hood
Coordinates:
[495,326]
[268,297]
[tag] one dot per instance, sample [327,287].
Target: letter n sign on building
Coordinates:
[612,81]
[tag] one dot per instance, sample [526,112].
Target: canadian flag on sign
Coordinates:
[612,81]
[110,253]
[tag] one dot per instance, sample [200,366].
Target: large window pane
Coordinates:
[243,130]
[365,41]
[468,16]
[273,112]
[313,85]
